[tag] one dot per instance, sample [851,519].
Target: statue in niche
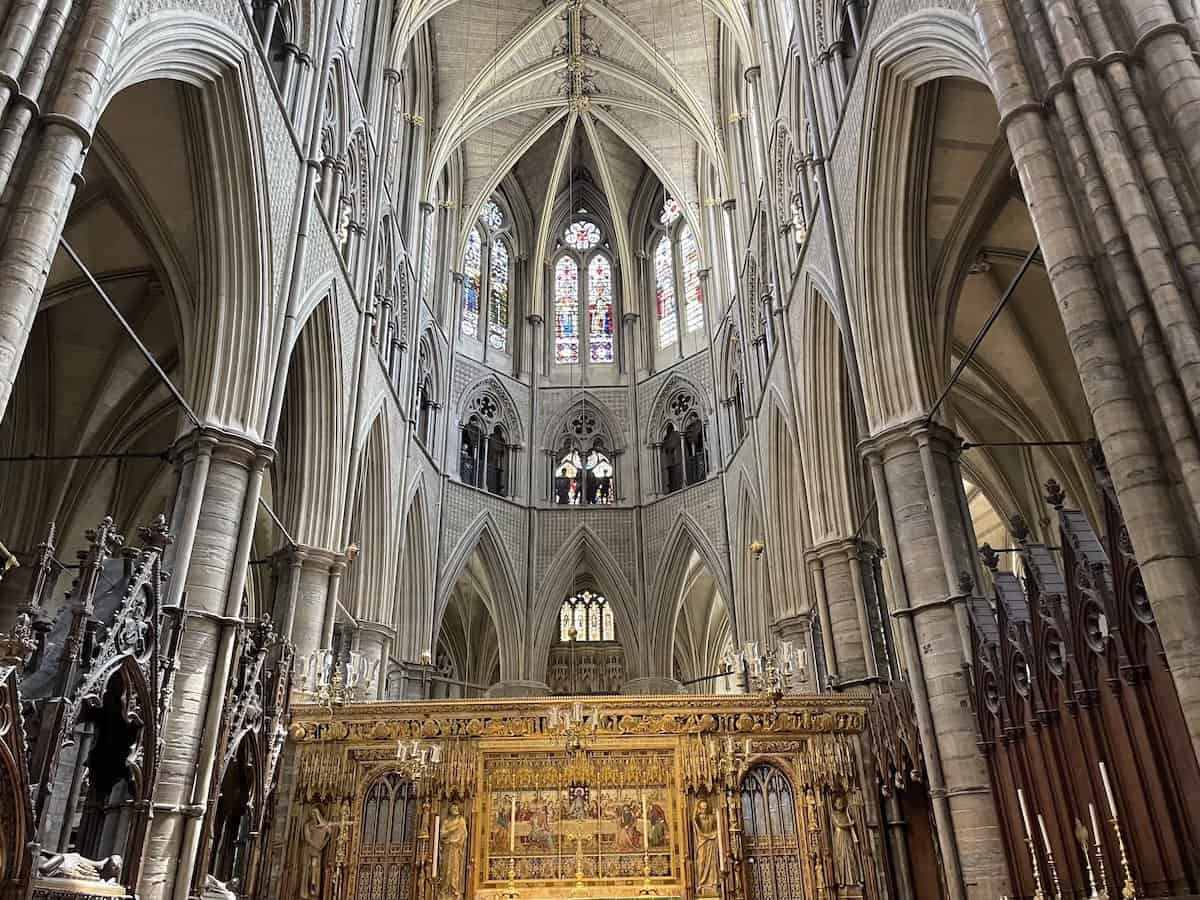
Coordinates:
[452,853]
[314,837]
[704,839]
[847,858]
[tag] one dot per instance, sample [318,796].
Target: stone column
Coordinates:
[39,206]
[305,587]
[223,493]
[1125,391]
[913,467]
[834,568]
[374,639]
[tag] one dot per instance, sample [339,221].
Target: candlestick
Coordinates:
[1038,894]
[1112,803]
[1081,835]
[1049,857]
[1101,877]
[512,828]
[1128,889]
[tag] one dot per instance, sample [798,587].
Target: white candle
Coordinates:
[512,828]
[720,843]
[1095,824]
[437,839]
[1112,804]
[645,824]
[1045,837]
[1024,813]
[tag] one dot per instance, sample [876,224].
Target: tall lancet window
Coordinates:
[487,279]
[600,309]
[584,274]
[678,292]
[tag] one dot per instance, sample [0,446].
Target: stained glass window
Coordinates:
[566,311]
[492,216]
[498,296]
[591,615]
[693,301]
[581,236]
[670,211]
[600,309]
[664,293]
[471,276]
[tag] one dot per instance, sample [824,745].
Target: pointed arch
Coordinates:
[311,439]
[787,508]
[685,538]
[413,609]
[583,552]
[368,594]
[503,603]
[752,595]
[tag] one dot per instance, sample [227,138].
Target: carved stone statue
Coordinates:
[847,858]
[72,865]
[314,835]
[217,890]
[704,838]
[452,853]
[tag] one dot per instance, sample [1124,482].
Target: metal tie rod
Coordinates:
[129,331]
[991,320]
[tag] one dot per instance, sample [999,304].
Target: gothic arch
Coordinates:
[895,333]
[412,617]
[826,450]
[311,436]
[490,388]
[787,507]
[234,314]
[583,551]
[752,594]
[504,604]
[685,538]
[369,596]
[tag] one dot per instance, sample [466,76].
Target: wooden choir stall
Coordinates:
[749,796]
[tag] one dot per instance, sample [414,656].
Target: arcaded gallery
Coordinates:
[599,449]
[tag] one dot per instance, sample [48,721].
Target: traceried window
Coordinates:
[498,296]
[566,311]
[600,309]
[487,278]
[664,293]
[471,280]
[584,274]
[677,284]
[586,616]
[584,478]
[689,257]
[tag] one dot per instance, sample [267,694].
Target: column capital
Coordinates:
[911,435]
[752,73]
[221,444]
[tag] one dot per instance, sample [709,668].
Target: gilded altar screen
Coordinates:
[563,818]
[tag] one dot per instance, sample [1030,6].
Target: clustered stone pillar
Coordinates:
[847,635]
[913,469]
[37,208]
[214,523]
[1128,285]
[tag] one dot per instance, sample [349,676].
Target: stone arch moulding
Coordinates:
[584,546]
[605,427]
[661,411]
[203,53]
[490,400]
[686,535]
[506,611]
[892,331]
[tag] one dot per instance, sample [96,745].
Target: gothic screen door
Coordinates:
[771,837]
[388,840]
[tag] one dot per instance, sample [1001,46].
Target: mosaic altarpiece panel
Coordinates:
[739,797]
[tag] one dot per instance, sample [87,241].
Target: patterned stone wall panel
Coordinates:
[463,506]
[695,369]
[614,528]
[616,402]
[702,502]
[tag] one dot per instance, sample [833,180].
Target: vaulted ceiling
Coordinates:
[538,90]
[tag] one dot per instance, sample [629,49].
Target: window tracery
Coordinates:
[772,835]
[588,615]
[682,439]
[583,461]
[678,290]
[489,432]
[584,274]
[487,278]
